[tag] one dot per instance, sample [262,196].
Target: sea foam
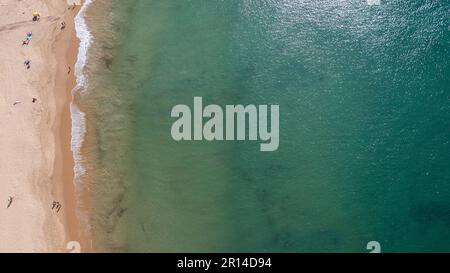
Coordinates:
[78,117]
[85,37]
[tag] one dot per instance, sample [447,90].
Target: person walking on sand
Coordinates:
[10,200]
[56,206]
[28,38]
[26,42]
[27,63]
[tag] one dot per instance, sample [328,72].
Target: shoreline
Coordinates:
[64,162]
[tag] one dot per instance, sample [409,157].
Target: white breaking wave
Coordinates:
[78,117]
[85,37]
[78,133]
[373,2]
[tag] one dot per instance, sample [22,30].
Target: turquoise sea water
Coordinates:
[364,95]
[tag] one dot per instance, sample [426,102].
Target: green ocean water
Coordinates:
[364,95]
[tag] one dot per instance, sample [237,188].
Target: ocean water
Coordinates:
[364,95]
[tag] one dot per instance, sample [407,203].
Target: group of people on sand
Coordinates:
[29,36]
[10,200]
[26,42]
[56,206]
[27,62]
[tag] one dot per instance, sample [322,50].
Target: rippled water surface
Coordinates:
[364,95]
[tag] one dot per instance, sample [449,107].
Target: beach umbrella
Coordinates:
[35,13]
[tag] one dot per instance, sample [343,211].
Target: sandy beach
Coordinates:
[37,200]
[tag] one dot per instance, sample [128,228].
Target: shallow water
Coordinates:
[364,115]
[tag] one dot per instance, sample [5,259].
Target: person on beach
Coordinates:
[36,16]
[10,200]
[63,25]
[27,63]
[34,100]
[28,38]
[56,206]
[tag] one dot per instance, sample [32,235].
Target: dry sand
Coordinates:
[36,167]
